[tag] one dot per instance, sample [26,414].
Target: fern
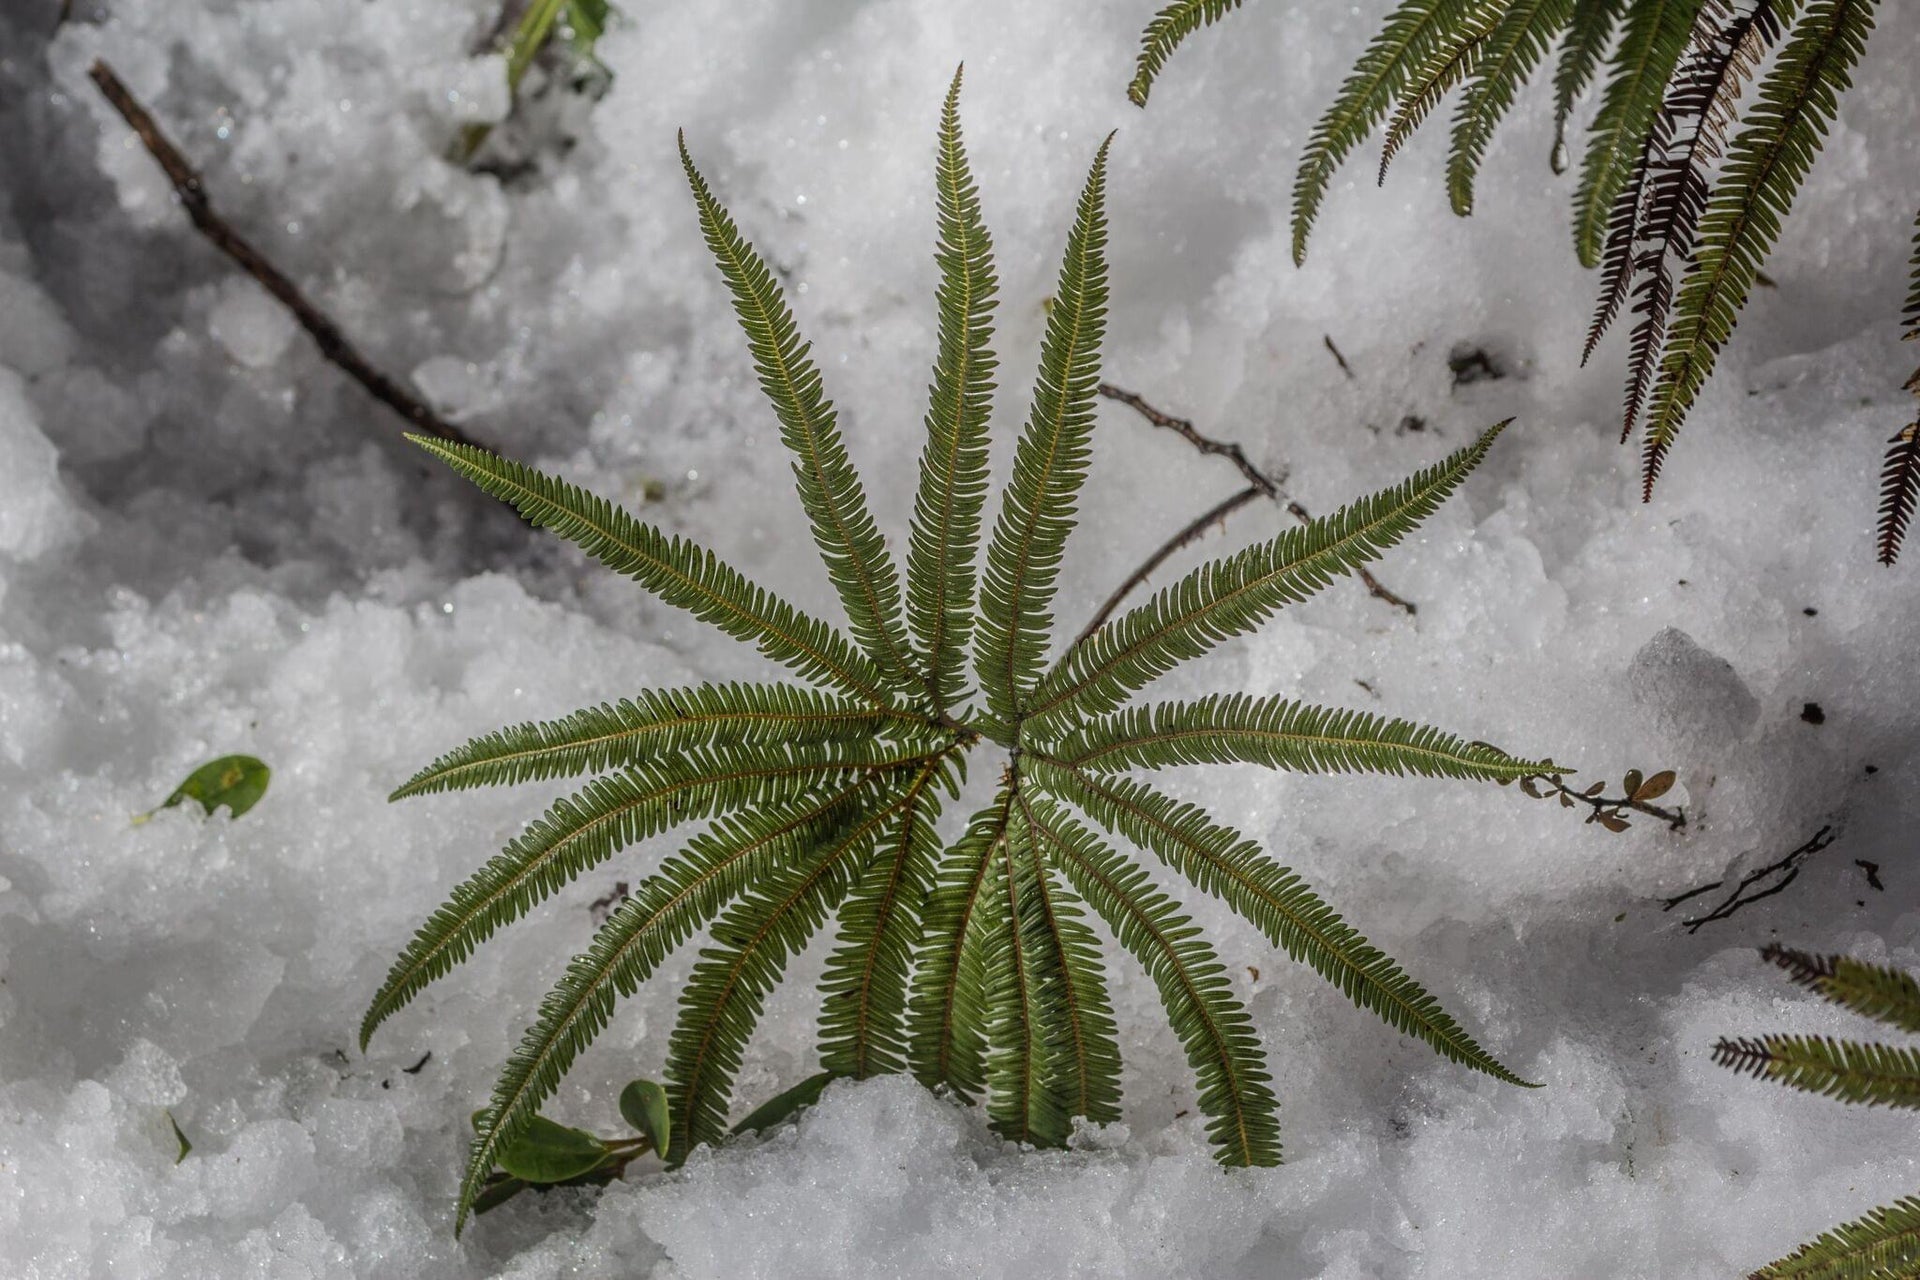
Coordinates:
[1886,1242]
[972,965]
[1676,227]
[1900,472]
[1164,34]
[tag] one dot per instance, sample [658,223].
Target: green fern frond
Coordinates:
[585,829]
[1229,597]
[1513,48]
[1364,100]
[1883,1245]
[724,995]
[1453,57]
[1764,169]
[652,725]
[945,536]
[737,852]
[1227,865]
[1238,729]
[680,572]
[1235,1092]
[1021,1099]
[1049,465]
[864,989]
[1083,1051]
[1163,35]
[1655,36]
[1874,1075]
[1589,32]
[1876,991]
[947,1006]
[843,529]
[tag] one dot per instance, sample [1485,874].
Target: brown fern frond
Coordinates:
[1899,487]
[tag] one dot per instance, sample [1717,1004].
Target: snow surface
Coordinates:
[210,542]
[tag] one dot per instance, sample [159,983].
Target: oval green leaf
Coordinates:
[549,1152]
[643,1104]
[237,782]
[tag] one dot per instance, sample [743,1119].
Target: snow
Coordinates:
[210,543]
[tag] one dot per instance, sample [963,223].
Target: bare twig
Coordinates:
[325,333]
[1776,876]
[1337,357]
[1259,485]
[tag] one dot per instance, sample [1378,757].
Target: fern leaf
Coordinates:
[843,529]
[716,866]
[1235,1090]
[724,995]
[863,1016]
[1870,1074]
[1650,47]
[1164,34]
[1899,489]
[1513,48]
[1883,1245]
[1617,260]
[656,724]
[1763,173]
[1453,57]
[1232,596]
[1588,34]
[1238,729]
[1875,991]
[1083,1051]
[1037,514]
[1020,1068]
[1364,100]
[947,1006]
[1911,318]
[588,827]
[945,537]
[680,572]
[1221,862]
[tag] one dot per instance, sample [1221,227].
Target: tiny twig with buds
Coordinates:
[1637,793]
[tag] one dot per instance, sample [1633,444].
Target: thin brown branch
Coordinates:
[1606,809]
[333,344]
[1337,357]
[1259,485]
[1755,885]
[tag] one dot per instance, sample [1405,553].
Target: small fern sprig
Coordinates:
[1169,28]
[1885,1242]
[1900,472]
[972,965]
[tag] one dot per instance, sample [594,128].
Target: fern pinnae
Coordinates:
[864,988]
[1900,470]
[1651,44]
[1049,466]
[1762,175]
[1235,1089]
[1221,862]
[651,725]
[680,572]
[1865,1074]
[1875,991]
[1911,316]
[662,913]
[583,830]
[1164,34]
[945,534]
[1232,596]
[1021,1101]
[1881,1245]
[1513,48]
[946,1007]
[1451,59]
[843,529]
[1589,31]
[724,995]
[1364,100]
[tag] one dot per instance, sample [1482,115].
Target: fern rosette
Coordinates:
[972,959]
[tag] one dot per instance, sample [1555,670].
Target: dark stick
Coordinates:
[326,334]
[66,12]
[1337,357]
[1787,868]
[1199,526]
[1259,483]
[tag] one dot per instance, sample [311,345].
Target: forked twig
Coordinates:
[1782,872]
[333,344]
[1259,485]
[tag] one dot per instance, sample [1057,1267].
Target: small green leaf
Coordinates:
[237,782]
[549,1152]
[1631,784]
[186,1147]
[782,1106]
[643,1104]
[587,20]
